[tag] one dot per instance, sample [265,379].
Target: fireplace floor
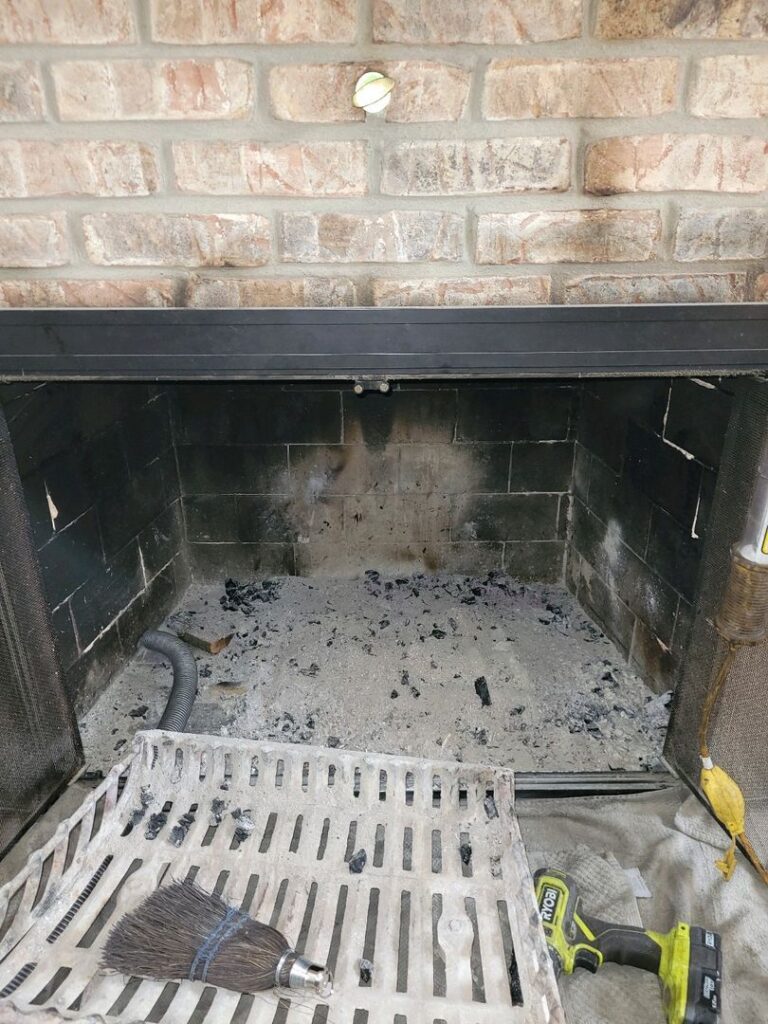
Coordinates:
[401,665]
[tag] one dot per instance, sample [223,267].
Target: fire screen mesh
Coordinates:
[740,724]
[39,741]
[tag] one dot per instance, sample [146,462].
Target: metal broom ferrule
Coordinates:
[309,976]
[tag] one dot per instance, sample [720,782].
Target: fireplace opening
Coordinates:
[414,606]
[494,571]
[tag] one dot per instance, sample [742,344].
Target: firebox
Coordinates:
[491,536]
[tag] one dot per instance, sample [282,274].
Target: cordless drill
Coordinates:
[688,960]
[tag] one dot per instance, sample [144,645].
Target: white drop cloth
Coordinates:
[674,842]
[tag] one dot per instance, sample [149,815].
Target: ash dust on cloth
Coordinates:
[673,841]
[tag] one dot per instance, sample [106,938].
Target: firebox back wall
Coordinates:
[459,477]
[251,479]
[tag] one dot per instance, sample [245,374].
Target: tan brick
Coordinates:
[272,169]
[724,234]
[568,236]
[271,291]
[136,90]
[579,88]
[730,86]
[424,91]
[253,21]
[182,240]
[21,95]
[475,21]
[31,240]
[398,236]
[698,19]
[76,167]
[621,289]
[461,291]
[66,21]
[477,166]
[83,292]
[761,288]
[667,163]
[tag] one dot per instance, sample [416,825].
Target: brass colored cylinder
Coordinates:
[743,614]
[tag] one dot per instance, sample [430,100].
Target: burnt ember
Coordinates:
[482,691]
[358,862]
[245,596]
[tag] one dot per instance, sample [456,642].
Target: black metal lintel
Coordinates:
[281,344]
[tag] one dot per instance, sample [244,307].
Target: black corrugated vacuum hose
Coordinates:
[184,689]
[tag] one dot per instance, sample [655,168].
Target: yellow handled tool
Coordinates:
[687,959]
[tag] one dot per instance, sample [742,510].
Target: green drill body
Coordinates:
[687,959]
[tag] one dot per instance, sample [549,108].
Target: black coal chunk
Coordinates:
[358,862]
[179,831]
[145,800]
[241,596]
[154,824]
[482,691]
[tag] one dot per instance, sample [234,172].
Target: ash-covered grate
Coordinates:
[439,927]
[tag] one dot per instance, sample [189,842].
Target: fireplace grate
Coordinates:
[440,926]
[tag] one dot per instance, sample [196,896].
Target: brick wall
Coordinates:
[183,152]
[645,469]
[463,478]
[99,475]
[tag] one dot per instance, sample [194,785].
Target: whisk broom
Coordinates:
[183,932]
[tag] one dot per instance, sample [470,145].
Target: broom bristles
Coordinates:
[181,927]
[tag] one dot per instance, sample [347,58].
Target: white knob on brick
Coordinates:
[373,91]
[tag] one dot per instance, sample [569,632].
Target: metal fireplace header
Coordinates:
[533,341]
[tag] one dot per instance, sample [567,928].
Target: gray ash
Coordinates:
[245,825]
[145,800]
[489,804]
[295,730]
